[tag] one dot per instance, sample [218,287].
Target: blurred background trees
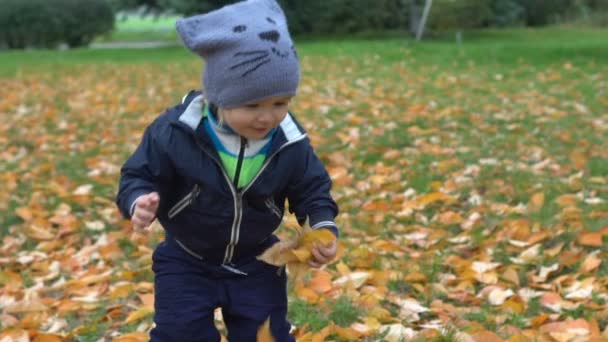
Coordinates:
[47,23]
[347,16]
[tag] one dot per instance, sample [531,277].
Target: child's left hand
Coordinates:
[322,255]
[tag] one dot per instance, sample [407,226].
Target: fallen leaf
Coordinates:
[139,314]
[264,334]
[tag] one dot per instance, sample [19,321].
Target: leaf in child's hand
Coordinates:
[279,254]
[264,334]
[296,254]
[310,239]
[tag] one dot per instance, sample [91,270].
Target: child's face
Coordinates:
[255,120]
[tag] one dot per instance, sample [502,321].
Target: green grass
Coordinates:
[301,313]
[135,29]
[147,23]
[504,49]
[458,78]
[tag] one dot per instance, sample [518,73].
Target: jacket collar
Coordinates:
[289,131]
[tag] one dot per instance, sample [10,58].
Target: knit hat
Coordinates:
[248,52]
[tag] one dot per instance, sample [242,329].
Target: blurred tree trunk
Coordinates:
[415,15]
[425,14]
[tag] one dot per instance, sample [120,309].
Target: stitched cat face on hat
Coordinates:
[248,52]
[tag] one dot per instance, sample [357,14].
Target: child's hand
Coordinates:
[145,210]
[321,255]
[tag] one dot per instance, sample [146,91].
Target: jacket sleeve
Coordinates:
[309,193]
[144,172]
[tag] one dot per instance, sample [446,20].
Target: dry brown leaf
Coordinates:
[49,338]
[537,201]
[139,314]
[132,337]
[591,239]
[590,263]
[264,334]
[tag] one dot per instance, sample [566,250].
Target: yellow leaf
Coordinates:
[347,334]
[39,233]
[302,254]
[591,263]
[434,197]
[591,239]
[277,255]
[24,213]
[321,282]
[132,337]
[264,334]
[122,290]
[568,200]
[487,336]
[321,336]
[33,305]
[139,314]
[17,335]
[49,338]
[514,304]
[286,252]
[356,279]
[537,201]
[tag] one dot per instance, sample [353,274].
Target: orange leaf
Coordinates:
[579,324]
[39,234]
[347,334]
[434,197]
[487,336]
[139,314]
[24,213]
[264,334]
[307,294]
[132,337]
[591,263]
[537,201]
[49,338]
[567,200]
[321,282]
[591,239]
[147,299]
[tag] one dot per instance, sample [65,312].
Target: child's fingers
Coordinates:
[319,257]
[153,201]
[139,224]
[315,264]
[142,218]
[149,201]
[328,251]
[144,215]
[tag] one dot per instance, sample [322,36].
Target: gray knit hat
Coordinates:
[248,52]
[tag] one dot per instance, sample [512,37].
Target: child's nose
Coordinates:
[270,35]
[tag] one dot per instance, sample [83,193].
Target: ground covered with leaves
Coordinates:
[473,194]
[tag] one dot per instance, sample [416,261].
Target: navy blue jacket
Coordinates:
[201,209]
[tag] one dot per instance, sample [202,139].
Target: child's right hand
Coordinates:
[145,210]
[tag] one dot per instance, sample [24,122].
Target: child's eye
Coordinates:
[280,104]
[252,105]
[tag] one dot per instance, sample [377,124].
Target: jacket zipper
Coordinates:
[238,196]
[185,202]
[239,163]
[239,205]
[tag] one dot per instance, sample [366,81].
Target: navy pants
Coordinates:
[187,291]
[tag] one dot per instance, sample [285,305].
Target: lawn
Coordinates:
[472,181]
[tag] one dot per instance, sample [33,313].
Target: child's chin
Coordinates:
[257,135]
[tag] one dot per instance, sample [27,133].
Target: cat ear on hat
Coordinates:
[272,5]
[204,33]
